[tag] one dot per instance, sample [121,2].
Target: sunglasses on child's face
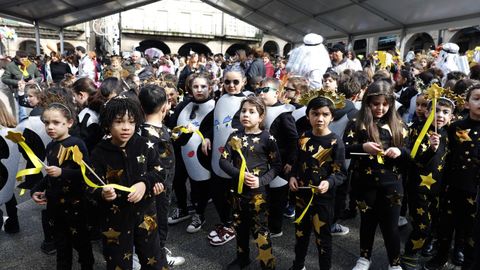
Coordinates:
[264,90]
[289,89]
[235,82]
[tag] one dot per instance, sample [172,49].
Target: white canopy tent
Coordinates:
[287,19]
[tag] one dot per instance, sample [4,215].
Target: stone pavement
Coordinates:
[22,251]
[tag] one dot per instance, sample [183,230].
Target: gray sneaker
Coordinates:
[338,229]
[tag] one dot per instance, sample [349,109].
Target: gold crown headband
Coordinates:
[337,100]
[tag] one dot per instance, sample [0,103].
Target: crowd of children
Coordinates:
[391,142]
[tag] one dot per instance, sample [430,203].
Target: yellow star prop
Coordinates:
[256,171]
[427,180]
[420,211]
[299,234]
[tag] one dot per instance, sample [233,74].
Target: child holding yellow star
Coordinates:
[462,179]
[375,140]
[127,159]
[425,181]
[252,159]
[318,170]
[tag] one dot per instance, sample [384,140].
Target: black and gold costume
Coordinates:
[160,137]
[379,188]
[126,224]
[250,207]
[66,207]
[462,177]
[320,158]
[424,187]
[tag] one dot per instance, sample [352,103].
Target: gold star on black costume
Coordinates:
[149,223]
[113,175]
[112,236]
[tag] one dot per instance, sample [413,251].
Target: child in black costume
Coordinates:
[425,182]
[320,165]
[375,141]
[154,103]
[128,160]
[461,179]
[64,189]
[262,159]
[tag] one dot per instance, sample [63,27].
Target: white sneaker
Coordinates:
[135,262]
[173,261]
[214,233]
[338,229]
[196,224]
[402,221]
[362,264]
[396,267]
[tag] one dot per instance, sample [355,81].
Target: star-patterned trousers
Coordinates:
[70,231]
[472,256]
[422,208]
[319,218]
[250,216]
[459,216]
[380,205]
[126,228]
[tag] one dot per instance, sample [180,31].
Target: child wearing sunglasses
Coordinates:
[281,124]
[225,120]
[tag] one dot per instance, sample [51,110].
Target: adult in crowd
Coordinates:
[86,67]
[17,73]
[58,69]
[310,60]
[340,61]
[256,69]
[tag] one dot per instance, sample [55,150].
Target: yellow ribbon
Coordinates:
[18,138]
[380,158]
[183,129]
[424,130]
[299,219]
[241,176]
[78,158]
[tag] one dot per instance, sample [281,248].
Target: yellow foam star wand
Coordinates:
[185,129]
[313,189]
[77,157]
[18,138]
[236,144]
[433,92]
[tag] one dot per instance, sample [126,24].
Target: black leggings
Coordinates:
[380,205]
[221,196]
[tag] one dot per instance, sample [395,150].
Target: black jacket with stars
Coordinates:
[136,162]
[160,137]
[427,161]
[367,168]
[463,161]
[284,129]
[320,158]
[69,186]
[261,155]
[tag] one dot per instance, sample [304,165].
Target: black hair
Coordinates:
[457,75]
[320,102]
[331,74]
[86,85]
[475,72]
[408,76]
[152,97]
[81,48]
[362,78]
[259,105]
[118,107]
[349,86]
[111,85]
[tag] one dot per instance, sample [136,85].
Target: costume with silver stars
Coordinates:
[127,224]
